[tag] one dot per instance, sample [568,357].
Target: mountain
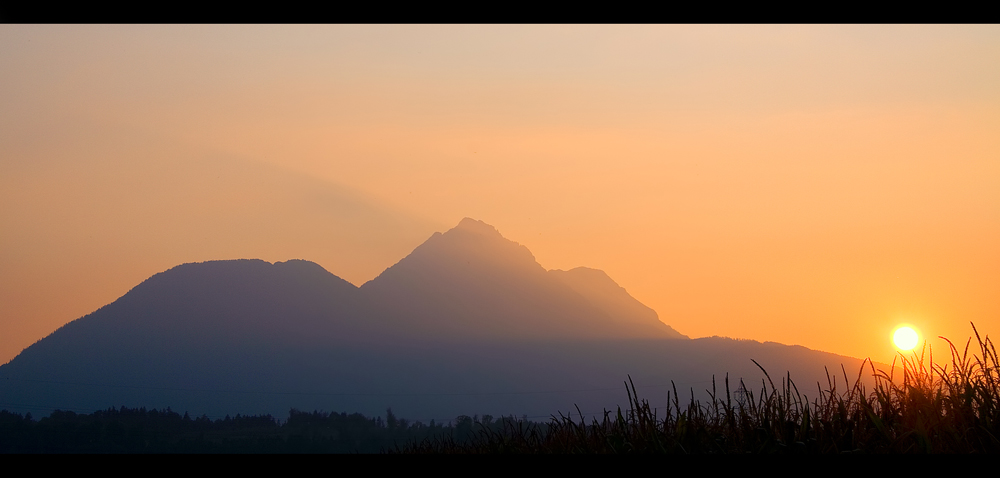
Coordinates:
[628,316]
[471,282]
[467,323]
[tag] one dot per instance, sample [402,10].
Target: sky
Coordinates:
[813,185]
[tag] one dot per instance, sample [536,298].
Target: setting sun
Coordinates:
[905,338]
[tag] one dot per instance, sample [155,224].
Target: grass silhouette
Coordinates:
[916,406]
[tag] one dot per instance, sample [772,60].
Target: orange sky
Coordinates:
[811,185]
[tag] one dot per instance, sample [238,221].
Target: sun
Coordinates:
[905,338]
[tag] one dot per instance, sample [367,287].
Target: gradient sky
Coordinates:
[811,185]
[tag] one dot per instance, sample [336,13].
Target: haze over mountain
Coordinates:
[468,323]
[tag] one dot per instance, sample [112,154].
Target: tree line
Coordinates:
[138,430]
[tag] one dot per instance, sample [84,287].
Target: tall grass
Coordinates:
[916,406]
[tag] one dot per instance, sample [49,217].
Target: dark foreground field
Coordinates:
[915,407]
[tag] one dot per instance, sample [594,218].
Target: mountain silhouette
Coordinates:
[472,282]
[630,317]
[467,323]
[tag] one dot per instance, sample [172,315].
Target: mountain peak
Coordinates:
[476,227]
[473,282]
[471,245]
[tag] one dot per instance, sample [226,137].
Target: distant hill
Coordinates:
[467,323]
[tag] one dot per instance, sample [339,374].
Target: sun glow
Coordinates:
[905,338]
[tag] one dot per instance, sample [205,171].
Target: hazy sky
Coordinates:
[812,185]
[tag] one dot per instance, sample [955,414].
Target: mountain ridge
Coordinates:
[497,286]
[465,314]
